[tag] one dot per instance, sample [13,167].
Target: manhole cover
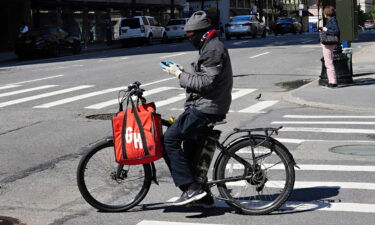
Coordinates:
[107,116]
[4,220]
[293,84]
[362,150]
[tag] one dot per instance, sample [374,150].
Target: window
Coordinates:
[145,21]
[176,22]
[233,3]
[131,22]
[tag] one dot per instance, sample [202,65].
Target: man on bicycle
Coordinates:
[208,98]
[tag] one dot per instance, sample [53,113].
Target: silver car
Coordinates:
[369,24]
[247,25]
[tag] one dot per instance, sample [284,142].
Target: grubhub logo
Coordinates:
[135,138]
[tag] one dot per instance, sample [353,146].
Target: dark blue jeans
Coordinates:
[188,130]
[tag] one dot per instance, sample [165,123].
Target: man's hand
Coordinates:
[325,29]
[173,69]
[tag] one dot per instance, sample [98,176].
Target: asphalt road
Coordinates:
[44,105]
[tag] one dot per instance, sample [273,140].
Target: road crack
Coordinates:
[19,128]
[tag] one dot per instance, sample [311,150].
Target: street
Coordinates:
[48,117]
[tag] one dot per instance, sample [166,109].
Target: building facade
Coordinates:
[83,18]
[367,5]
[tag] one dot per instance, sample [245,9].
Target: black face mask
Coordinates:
[196,39]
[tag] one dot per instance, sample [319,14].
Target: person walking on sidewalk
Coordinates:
[208,98]
[331,28]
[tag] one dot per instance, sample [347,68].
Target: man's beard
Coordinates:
[196,40]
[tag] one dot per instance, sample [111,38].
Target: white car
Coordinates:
[175,29]
[144,28]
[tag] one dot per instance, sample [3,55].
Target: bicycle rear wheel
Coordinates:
[271,176]
[109,186]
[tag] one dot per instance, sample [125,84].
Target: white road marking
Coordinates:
[310,46]
[328,130]
[309,206]
[44,78]
[316,167]
[115,101]
[325,122]
[312,184]
[155,222]
[239,92]
[299,141]
[8,86]
[88,95]
[170,100]
[240,42]
[258,107]
[27,90]
[173,55]
[303,42]
[30,98]
[327,117]
[265,53]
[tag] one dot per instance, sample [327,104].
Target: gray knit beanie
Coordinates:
[197,21]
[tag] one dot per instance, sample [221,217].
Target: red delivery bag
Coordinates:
[137,135]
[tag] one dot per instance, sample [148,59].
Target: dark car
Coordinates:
[287,25]
[47,41]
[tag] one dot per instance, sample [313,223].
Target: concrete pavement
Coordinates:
[356,97]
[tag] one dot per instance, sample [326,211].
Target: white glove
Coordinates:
[325,29]
[174,70]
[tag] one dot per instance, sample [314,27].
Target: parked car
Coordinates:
[247,25]
[369,24]
[175,29]
[143,28]
[287,25]
[46,41]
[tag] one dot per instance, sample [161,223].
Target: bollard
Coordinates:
[343,67]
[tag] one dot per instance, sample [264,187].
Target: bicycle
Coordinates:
[254,173]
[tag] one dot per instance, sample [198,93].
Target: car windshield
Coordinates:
[285,20]
[132,23]
[240,18]
[176,22]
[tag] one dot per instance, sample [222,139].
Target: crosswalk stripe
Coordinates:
[327,117]
[239,92]
[295,206]
[115,101]
[170,100]
[325,122]
[88,95]
[30,98]
[27,90]
[314,167]
[39,79]
[8,86]
[299,141]
[155,222]
[328,130]
[258,107]
[79,97]
[311,184]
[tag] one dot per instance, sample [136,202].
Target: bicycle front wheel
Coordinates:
[269,177]
[109,186]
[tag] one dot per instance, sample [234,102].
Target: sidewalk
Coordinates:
[10,56]
[356,97]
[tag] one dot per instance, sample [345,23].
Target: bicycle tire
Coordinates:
[250,204]
[107,177]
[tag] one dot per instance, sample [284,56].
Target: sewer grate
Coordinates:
[4,220]
[361,150]
[290,85]
[106,116]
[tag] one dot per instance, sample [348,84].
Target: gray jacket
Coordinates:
[209,86]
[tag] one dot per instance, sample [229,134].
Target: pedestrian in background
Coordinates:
[331,28]
[108,30]
[23,29]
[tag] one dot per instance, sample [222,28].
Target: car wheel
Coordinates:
[149,40]
[227,36]
[76,47]
[164,39]
[54,50]
[238,37]
[254,35]
[264,34]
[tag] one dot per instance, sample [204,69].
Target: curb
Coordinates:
[288,97]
